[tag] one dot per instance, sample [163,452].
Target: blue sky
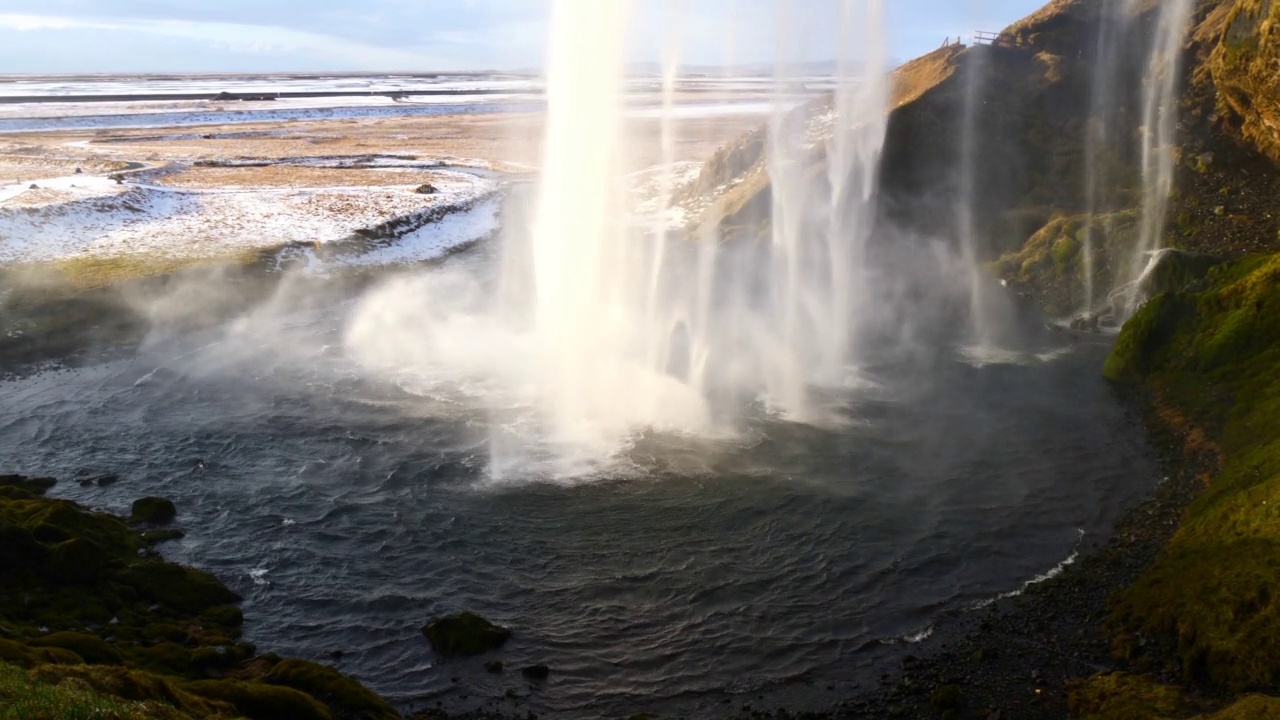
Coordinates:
[300,35]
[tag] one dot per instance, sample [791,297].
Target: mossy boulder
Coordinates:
[179,588]
[260,701]
[152,511]
[81,562]
[136,686]
[92,648]
[465,634]
[346,697]
[167,658]
[27,656]
[34,486]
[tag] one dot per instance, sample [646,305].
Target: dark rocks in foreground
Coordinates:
[87,608]
[464,634]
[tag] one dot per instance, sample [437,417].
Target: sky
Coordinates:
[55,36]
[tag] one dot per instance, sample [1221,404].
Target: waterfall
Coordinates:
[975,69]
[1103,131]
[602,321]
[1159,133]
[640,327]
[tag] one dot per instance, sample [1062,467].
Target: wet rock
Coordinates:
[464,634]
[493,666]
[153,511]
[1085,322]
[536,672]
[177,587]
[945,698]
[155,537]
[106,480]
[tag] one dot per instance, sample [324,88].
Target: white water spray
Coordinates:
[603,325]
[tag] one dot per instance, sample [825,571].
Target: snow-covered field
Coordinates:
[329,179]
[87,216]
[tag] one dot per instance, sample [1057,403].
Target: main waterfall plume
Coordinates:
[606,320]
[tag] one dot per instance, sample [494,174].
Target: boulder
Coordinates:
[346,697]
[155,537]
[153,511]
[465,634]
[947,697]
[176,587]
[92,648]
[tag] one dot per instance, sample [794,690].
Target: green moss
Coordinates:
[92,648]
[180,588]
[260,701]
[1250,707]
[23,697]
[347,698]
[1215,590]
[1119,696]
[156,693]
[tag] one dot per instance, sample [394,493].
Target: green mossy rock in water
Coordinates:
[176,587]
[346,697]
[465,634]
[152,511]
[92,648]
[76,568]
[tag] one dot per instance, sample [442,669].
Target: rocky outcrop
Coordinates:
[464,634]
[1246,71]
[91,617]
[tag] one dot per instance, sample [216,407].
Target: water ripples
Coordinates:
[348,513]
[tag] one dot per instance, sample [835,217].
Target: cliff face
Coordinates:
[1246,72]
[1012,122]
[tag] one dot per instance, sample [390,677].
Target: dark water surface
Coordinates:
[349,511]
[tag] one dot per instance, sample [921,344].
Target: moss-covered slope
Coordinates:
[1207,613]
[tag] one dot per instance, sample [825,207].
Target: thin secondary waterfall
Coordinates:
[1103,132]
[1159,130]
[975,69]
